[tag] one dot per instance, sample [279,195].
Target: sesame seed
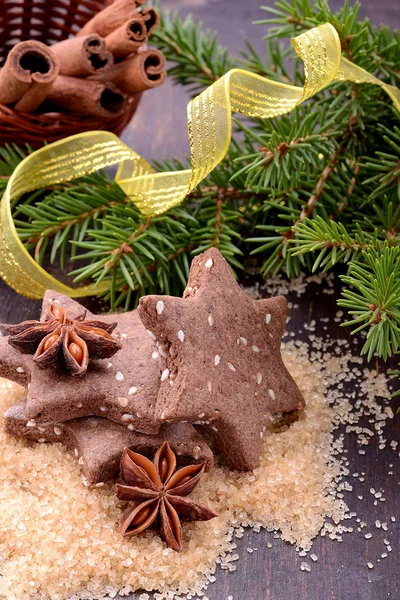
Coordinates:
[76,452]
[181,335]
[165,374]
[79,405]
[109,365]
[217,359]
[57,431]
[368,536]
[268,318]
[151,334]
[103,408]
[159,307]
[370,565]
[31,423]
[196,452]
[230,365]
[271,394]
[20,370]
[259,378]
[132,391]
[255,349]
[201,415]
[130,427]
[122,401]
[124,336]
[214,428]
[161,350]
[119,376]
[209,263]
[155,354]
[243,340]
[127,417]
[210,320]
[209,386]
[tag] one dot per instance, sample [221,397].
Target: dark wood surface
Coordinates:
[341,573]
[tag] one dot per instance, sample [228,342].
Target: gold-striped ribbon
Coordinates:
[209,126]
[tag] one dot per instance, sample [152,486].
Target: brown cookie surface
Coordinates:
[99,442]
[14,365]
[222,365]
[123,389]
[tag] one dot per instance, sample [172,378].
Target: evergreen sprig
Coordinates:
[302,192]
[198,59]
[375,305]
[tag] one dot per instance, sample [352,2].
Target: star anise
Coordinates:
[59,336]
[158,492]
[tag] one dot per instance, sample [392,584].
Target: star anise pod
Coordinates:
[60,336]
[158,492]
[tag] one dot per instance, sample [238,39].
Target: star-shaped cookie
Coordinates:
[222,365]
[99,443]
[123,389]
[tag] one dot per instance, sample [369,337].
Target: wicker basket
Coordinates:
[48,21]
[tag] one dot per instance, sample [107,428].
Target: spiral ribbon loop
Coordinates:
[209,127]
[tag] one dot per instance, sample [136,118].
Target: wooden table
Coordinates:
[341,573]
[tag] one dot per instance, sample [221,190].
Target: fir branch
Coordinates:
[288,150]
[134,254]
[221,224]
[376,303]
[295,17]
[10,157]
[385,168]
[331,240]
[49,222]
[197,58]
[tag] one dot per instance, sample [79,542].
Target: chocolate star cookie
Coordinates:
[222,366]
[99,443]
[14,365]
[123,388]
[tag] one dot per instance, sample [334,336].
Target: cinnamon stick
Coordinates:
[27,76]
[112,17]
[83,56]
[127,38]
[87,97]
[138,73]
[151,18]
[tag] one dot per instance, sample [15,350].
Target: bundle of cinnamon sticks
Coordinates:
[93,73]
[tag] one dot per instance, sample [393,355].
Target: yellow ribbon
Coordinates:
[209,127]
